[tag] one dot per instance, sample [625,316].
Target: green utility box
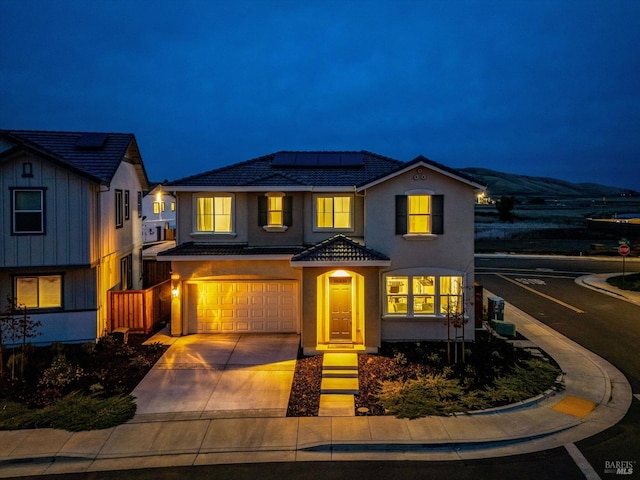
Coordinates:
[506,329]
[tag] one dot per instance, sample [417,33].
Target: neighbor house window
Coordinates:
[213,214]
[173,206]
[423,295]
[419,214]
[127,205]
[139,204]
[119,208]
[27,211]
[39,291]
[333,212]
[156,207]
[126,272]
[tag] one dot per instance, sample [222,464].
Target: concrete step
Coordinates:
[340,386]
[339,373]
[340,361]
[337,405]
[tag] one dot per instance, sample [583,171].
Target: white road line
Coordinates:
[581,462]
[544,295]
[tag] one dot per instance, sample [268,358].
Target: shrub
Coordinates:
[60,374]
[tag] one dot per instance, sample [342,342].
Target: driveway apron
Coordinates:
[208,376]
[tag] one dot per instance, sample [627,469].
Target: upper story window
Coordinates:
[119,208]
[419,214]
[27,211]
[334,212]
[274,211]
[127,205]
[214,214]
[39,291]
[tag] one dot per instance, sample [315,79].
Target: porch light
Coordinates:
[175,292]
[340,273]
[175,276]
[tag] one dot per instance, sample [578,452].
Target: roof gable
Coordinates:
[421,161]
[92,154]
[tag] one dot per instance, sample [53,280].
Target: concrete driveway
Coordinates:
[209,376]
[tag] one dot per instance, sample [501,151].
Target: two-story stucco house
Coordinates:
[71,215]
[346,248]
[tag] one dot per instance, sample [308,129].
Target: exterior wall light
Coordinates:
[175,292]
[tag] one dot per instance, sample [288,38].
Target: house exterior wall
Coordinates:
[164,218]
[69,204]
[450,253]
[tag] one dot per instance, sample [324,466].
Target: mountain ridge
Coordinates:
[510,184]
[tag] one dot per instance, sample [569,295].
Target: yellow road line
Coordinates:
[544,295]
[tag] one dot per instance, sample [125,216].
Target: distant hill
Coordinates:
[500,183]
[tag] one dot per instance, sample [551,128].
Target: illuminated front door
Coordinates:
[340,308]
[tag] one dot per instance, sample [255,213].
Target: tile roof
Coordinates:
[207,249]
[262,171]
[93,154]
[339,248]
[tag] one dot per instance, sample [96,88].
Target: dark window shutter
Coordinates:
[263,206]
[437,214]
[401,214]
[287,211]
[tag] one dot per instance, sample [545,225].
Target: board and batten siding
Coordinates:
[69,208]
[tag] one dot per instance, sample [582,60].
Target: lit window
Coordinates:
[28,211]
[333,212]
[39,292]
[274,213]
[419,214]
[450,294]
[173,206]
[162,206]
[423,295]
[213,214]
[397,294]
[156,207]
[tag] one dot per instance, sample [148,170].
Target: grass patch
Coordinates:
[74,412]
[631,282]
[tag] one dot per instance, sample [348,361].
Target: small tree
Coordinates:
[15,328]
[505,206]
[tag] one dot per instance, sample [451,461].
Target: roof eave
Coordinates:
[210,257]
[339,263]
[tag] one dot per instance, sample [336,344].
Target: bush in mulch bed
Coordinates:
[414,379]
[70,385]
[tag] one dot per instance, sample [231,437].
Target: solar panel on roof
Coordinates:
[91,141]
[318,159]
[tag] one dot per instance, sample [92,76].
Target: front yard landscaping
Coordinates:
[74,387]
[631,282]
[411,380]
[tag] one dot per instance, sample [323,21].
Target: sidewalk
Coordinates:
[538,424]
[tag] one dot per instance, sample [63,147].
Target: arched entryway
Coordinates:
[340,309]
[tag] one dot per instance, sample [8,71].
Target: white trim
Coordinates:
[420,236]
[258,188]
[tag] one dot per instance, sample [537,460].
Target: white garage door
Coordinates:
[243,306]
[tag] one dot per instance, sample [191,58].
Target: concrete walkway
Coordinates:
[535,425]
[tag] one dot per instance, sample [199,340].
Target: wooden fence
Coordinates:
[139,310]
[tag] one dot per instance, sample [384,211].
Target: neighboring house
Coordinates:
[71,206]
[158,215]
[346,248]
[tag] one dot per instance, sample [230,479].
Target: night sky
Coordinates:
[545,88]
